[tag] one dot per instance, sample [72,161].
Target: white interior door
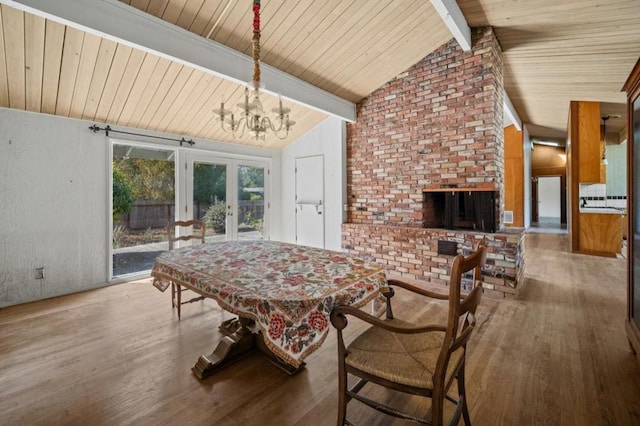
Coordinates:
[548,197]
[310,201]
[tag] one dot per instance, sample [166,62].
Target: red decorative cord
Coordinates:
[256,43]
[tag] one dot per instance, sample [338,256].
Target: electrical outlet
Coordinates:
[39,273]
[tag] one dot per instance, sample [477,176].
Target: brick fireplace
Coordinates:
[437,126]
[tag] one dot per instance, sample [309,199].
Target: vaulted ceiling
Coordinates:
[339,50]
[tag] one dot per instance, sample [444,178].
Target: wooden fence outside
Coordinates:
[156,214]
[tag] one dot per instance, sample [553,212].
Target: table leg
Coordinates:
[233,347]
[241,339]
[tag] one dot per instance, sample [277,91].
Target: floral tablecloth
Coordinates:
[289,290]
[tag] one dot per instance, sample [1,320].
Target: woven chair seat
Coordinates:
[408,359]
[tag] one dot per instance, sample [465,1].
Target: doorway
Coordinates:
[548,205]
[229,195]
[310,201]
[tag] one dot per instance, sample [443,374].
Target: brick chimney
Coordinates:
[439,124]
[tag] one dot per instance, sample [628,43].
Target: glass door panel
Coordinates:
[210,201]
[143,202]
[250,207]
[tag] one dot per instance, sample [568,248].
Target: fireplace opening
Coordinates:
[463,210]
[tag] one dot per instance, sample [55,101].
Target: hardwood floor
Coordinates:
[558,355]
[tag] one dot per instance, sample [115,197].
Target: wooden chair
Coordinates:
[417,359]
[198,229]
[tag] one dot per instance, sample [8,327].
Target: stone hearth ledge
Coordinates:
[412,253]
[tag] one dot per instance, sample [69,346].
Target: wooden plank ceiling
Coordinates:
[554,52]
[348,48]
[559,51]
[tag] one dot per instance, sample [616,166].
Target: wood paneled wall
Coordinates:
[514,175]
[584,158]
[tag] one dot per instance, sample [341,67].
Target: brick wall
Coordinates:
[412,253]
[438,124]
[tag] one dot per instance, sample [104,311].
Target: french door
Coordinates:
[229,195]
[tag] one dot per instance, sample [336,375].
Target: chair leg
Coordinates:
[342,393]
[173,295]
[437,406]
[463,396]
[179,291]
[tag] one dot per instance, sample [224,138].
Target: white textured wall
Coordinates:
[327,139]
[54,203]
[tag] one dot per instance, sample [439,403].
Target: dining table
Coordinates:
[282,295]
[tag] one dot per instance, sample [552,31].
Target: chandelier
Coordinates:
[252,117]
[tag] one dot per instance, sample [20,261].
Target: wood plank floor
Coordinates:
[557,355]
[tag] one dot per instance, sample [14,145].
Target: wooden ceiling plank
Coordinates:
[13,28]
[150,90]
[34,27]
[174,91]
[126,83]
[381,64]
[202,109]
[71,51]
[137,90]
[198,100]
[233,23]
[276,32]
[363,40]
[333,31]
[189,12]
[88,59]
[279,14]
[206,17]
[306,28]
[53,45]
[160,93]
[173,10]
[228,93]
[180,99]
[157,7]
[106,54]
[118,67]
[4,88]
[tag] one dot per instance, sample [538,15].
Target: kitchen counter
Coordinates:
[600,231]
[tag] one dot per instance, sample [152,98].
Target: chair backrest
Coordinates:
[462,309]
[198,229]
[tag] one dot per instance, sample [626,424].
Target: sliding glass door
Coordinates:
[149,191]
[143,202]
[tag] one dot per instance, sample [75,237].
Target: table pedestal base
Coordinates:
[241,339]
